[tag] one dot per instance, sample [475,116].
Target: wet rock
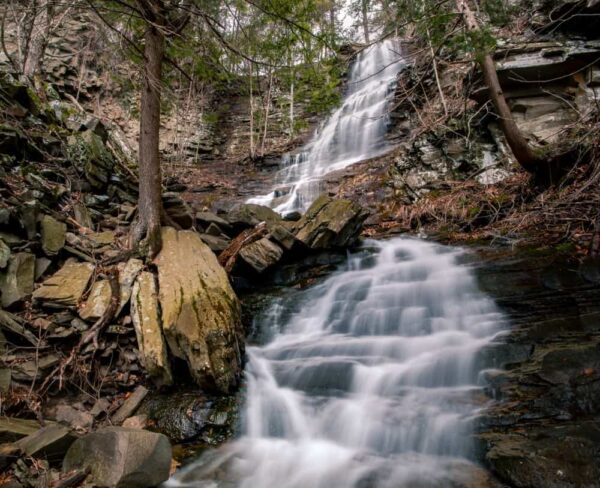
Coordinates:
[200,311]
[16,281]
[330,223]
[41,266]
[121,457]
[214,230]
[4,254]
[185,417]
[216,244]
[247,215]
[53,235]
[282,236]
[97,302]
[146,321]
[65,288]
[261,255]
[292,216]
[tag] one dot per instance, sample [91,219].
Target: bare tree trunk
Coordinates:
[517,142]
[365,20]
[292,105]
[267,110]
[252,152]
[150,198]
[38,38]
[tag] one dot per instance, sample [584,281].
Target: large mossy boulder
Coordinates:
[330,223]
[200,311]
[119,457]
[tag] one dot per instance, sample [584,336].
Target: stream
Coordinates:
[370,382]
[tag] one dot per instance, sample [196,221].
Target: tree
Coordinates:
[521,149]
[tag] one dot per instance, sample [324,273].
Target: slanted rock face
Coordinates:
[98,302]
[146,321]
[65,288]
[121,457]
[200,311]
[330,223]
[262,254]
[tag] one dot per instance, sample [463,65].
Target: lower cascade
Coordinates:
[369,381]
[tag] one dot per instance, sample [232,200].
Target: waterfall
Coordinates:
[370,382]
[354,132]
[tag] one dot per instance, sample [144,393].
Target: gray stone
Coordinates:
[282,236]
[178,210]
[82,215]
[261,255]
[200,311]
[216,244]
[53,235]
[214,230]
[16,282]
[13,429]
[247,215]
[77,419]
[330,223]
[122,457]
[130,405]
[5,379]
[51,441]
[66,287]
[145,314]
[207,218]
[41,266]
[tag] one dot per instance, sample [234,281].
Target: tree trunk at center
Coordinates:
[150,180]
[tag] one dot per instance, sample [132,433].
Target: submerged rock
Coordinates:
[330,223]
[146,321]
[65,288]
[200,311]
[122,457]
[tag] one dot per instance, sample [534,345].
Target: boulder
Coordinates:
[281,235]
[65,288]
[261,255]
[330,223]
[53,235]
[121,457]
[51,442]
[205,219]
[16,282]
[246,215]
[216,244]
[200,311]
[97,302]
[12,429]
[146,321]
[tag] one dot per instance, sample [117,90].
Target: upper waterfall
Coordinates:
[354,132]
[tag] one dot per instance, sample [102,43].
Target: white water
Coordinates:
[354,132]
[370,383]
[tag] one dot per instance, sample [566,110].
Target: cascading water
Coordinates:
[370,383]
[354,132]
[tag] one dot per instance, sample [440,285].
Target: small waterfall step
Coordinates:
[371,383]
[354,132]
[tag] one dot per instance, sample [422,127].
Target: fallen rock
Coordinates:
[205,219]
[77,419]
[16,282]
[99,239]
[216,244]
[4,254]
[121,457]
[65,288]
[53,235]
[130,405]
[128,272]
[282,236]
[41,266]
[97,302]
[51,441]
[330,223]
[261,255]
[178,210]
[247,215]
[146,321]
[16,325]
[200,311]
[13,429]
